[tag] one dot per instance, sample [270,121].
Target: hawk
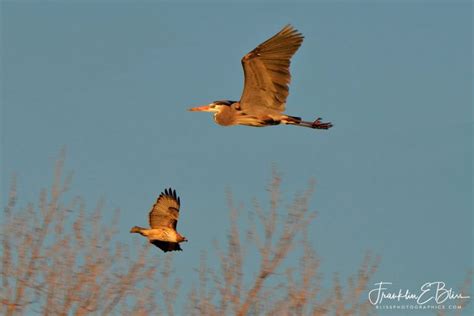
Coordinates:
[163,218]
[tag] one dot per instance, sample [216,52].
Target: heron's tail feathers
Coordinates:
[295,119]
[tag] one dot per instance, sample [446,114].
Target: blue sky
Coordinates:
[112,81]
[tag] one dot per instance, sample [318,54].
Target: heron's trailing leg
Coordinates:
[321,125]
[316,124]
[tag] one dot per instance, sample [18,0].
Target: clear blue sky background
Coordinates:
[112,81]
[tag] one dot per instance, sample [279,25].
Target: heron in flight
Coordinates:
[267,76]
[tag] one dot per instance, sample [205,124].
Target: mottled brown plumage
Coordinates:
[163,219]
[165,211]
[267,76]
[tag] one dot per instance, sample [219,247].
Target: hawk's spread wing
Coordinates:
[166,246]
[267,71]
[165,212]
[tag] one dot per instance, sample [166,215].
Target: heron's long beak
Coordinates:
[203,108]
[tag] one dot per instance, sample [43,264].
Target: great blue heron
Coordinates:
[267,75]
[163,218]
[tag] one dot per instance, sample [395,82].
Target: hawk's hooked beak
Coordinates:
[203,108]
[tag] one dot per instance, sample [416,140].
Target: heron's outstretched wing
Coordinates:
[267,70]
[166,245]
[165,212]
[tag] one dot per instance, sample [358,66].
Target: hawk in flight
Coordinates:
[163,218]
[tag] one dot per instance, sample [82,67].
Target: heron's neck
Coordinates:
[226,116]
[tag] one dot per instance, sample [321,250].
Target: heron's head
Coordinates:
[215,106]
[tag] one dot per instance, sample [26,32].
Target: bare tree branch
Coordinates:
[59,259]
